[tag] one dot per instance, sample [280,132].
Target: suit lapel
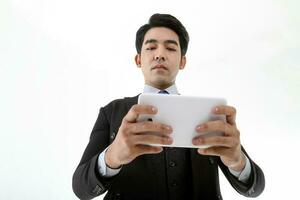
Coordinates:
[130,101]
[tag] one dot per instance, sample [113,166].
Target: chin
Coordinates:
[161,82]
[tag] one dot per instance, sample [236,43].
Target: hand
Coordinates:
[228,146]
[133,140]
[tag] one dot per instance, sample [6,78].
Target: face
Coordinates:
[160,58]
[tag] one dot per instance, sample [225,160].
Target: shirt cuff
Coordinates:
[103,169]
[244,175]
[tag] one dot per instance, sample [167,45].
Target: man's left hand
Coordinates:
[228,146]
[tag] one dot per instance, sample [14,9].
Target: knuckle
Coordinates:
[235,143]
[152,140]
[134,108]
[132,129]
[149,124]
[159,140]
[218,140]
[233,110]
[200,140]
[124,120]
[161,127]
[145,125]
[238,133]
[164,140]
[148,138]
[221,124]
[140,139]
[126,130]
[122,128]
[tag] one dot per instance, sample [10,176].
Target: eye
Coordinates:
[171,49]
[150,48]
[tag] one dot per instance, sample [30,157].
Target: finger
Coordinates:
[146,149]
[149,139]
[147,126]
[214,151]
[217,125]
[229,111]
[214,141]
[136,110]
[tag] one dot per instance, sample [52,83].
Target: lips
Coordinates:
[159,66]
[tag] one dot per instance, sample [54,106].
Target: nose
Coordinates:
[160,57]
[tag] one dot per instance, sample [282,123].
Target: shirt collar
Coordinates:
[171,90]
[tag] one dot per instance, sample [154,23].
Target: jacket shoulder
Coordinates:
[121,102]
[119,107]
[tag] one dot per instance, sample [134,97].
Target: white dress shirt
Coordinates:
[106,171]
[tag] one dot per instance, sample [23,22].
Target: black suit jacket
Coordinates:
[143,178]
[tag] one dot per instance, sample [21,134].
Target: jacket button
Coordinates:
[118,196]
[174,183]
[172,164]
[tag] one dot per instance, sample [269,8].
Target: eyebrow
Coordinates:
[165,42]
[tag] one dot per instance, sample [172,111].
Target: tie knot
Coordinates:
[163,92]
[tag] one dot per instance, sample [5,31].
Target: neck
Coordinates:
[160,86]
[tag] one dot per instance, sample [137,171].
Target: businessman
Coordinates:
[118,158]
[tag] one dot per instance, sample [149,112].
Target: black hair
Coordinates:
[167,21]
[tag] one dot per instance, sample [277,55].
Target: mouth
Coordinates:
[159,66]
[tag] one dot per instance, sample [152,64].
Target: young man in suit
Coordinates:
[119,159]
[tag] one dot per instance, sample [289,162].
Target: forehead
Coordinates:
[161,34]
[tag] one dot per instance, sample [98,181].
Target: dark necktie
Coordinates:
[163,92]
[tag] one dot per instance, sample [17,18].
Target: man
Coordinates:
[118,157]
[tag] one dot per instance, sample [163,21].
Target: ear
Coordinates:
[137,60]
[182,62]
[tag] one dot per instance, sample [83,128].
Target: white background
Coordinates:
[61,60]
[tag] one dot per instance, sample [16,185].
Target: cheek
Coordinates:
[176,62]
[146,55]
[176,57]
[146,60]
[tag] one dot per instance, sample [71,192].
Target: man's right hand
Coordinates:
[133,140]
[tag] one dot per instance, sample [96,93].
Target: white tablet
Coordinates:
[183,114]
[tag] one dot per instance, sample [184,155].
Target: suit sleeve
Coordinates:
[87,182]
[254,186]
